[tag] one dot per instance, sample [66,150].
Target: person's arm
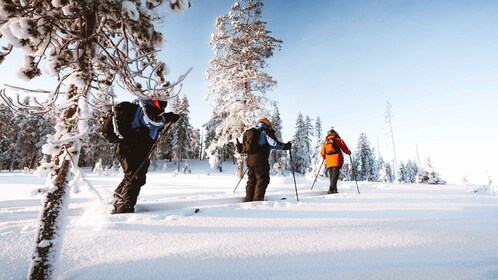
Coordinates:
[274,143]
[322,153]
[343,146]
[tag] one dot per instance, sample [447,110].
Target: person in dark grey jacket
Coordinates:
[149,119]
[258,166]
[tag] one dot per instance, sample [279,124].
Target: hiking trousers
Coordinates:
[258,178]
[333,176]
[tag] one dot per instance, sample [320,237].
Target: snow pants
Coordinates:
[131,154]
[258,178]
[333,176]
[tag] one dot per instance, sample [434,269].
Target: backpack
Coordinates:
[116,125]
[250,140]
[335,148]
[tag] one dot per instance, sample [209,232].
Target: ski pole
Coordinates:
[293,175]
[354,174]
[240,180]
[318,172]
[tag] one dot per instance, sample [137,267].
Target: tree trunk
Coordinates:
[240,167]
[42,265]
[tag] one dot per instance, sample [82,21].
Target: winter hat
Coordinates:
[160,104]
[331,131]
[265,121]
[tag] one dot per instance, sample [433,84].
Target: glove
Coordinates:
[287,146]
[170,117]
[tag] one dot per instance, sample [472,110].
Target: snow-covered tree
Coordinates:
[317,165]
[99,168]
[98,147]
[8,128]
[277,155]
[428,175]
[364,160]
[401,173]
[181,130]
[384,173]
[411,171]
[85,46]
[241,44]
[194,143]
[301,144]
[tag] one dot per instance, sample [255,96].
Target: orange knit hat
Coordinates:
[265,121]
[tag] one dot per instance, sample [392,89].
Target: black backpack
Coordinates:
[250,140]
[118,121]
[335,148]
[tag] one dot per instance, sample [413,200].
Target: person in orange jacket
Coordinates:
[332,151]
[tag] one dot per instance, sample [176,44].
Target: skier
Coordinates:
[332,153]
[258,167]
[149,119]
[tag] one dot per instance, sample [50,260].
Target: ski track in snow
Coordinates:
[389,231]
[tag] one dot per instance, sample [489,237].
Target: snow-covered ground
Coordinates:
[389,231]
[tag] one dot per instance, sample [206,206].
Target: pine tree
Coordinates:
[86,45]
[411,171]
[98,147]
[364,160]
[7,129]
[402,173]
[384,173]
[241,46]
[301,144]
[181,130]
[317,166]
[277,156]
[428,175]
[194,143]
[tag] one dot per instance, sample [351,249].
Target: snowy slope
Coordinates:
[389,231]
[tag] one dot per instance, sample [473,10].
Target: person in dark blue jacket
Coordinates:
[258,167]
[149,119]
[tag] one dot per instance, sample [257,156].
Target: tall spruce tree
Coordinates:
[241,44]
[85,45]
[277,156]
[365,160]
[317,166]
[301,144]
[181,129]
[411,171]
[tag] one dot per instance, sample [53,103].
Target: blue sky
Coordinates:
[436,62]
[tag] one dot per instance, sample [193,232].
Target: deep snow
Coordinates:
[389,231]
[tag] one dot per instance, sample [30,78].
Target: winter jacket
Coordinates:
[335,159]
[267,141]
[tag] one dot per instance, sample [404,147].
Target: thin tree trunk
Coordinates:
[42,265]
[240,167]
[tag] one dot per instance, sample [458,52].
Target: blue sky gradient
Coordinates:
[436,62]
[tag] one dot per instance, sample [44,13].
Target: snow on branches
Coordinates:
[241,45]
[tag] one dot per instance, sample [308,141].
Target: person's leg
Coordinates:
[262,181]
[127,192]
[329,173]
[251,184]
[334,177]
[130,194]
